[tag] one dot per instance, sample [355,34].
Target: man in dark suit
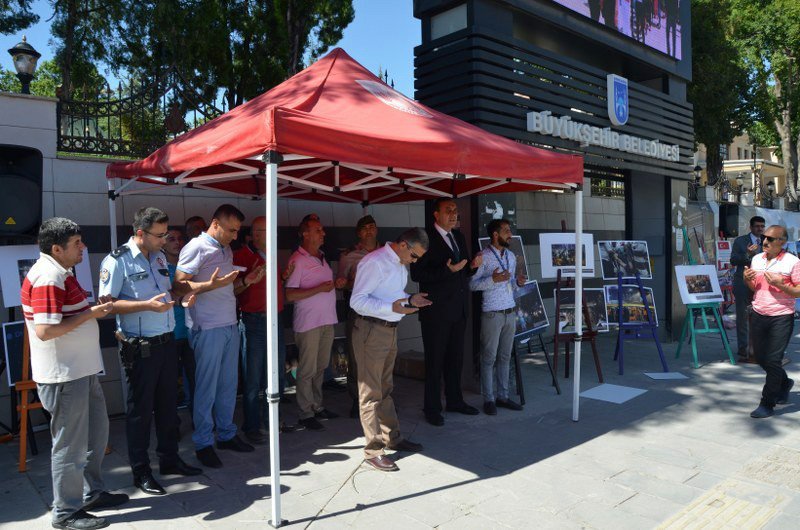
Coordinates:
[443,272]
[744,248]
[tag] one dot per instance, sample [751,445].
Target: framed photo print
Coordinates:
[698,284]
[497,206]
[595,304]
[557,252]
[531,316]
[632,305]
[516,247]
[627,257]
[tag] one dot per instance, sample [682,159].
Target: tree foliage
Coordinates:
[16,15]
[45,81]
[719,88]
[768,32]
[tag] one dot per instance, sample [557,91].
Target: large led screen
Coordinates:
[655,23]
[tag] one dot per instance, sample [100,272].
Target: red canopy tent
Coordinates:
[336,132]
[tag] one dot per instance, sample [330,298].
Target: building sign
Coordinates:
[617,97]
[544,122]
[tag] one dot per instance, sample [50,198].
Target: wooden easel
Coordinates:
[24,387]
[589,334]
[631,331]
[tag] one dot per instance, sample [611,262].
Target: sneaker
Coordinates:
[325,414]
[784,397]
[81,520]
[106,500]
[257,437]
[235,444]
[763,411]
[490,408]
[312,424]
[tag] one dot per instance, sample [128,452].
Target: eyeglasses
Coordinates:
[158,236]
[414,256]
[769,239]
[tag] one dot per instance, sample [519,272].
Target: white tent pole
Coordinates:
[112,213]
[271,160]
[576,371]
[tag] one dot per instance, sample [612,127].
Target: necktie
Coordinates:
[456,253]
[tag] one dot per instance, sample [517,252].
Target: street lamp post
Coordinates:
[25,58]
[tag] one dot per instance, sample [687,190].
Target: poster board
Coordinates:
[13,337]
[493,206]
[698,284]
[17,260]
[595,305]
[627,257]
[632,305]
[557,252]
[531,315]
[517,248]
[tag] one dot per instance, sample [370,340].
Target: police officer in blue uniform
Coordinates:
[136,276]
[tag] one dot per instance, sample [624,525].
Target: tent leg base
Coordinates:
[283,522]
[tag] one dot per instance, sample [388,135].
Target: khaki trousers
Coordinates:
[314,355]
[375,350]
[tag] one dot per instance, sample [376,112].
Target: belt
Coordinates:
[378,321]
[160,339]
[504,311]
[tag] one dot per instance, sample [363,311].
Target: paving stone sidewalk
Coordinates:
[685,454]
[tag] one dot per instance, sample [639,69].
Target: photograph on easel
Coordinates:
[13,337]
[516,247]
[557,252]
[531,315]
[493,206]
[595,304]
[632,305]
[626,257]
[698,284]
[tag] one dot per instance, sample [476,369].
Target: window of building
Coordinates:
[738,153]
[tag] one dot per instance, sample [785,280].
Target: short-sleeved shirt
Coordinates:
[200,257]
[127,274]
[49,294]
[320,309]
[768,300]
[254,298]
[180,330]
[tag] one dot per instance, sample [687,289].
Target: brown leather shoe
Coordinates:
[382,463]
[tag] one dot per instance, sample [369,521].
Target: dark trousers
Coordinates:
[444,357]
[352,369]
[152,393]
[744,297]
[771,335]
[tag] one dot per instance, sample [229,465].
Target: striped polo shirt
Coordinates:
[49,294]
[768,300]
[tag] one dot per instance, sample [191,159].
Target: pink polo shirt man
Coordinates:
[768,300]
[313,322]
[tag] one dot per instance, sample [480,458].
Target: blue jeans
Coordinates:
[216,353]
[497,341]
[254,368]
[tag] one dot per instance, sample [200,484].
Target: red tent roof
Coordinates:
[345,135]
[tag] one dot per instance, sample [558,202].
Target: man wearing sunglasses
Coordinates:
[774,278]
[744,248]
[379,301]
[136,276]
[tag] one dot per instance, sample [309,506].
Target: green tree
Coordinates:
[16,15]
[45,81]
[768,32]
[719,87]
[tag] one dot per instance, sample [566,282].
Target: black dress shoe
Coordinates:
[106,500]
[464,409]
[148,485]
[435,419]
[312,424]
[81,520]
[508,404]
[325,414]
[208,457]
[763,411]
[179,468]
[235,444]
[407,446]
[490,408]
[382,463]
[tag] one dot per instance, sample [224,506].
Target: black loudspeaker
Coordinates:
[729,219]
[20,191]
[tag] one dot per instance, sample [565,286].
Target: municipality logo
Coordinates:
[617,99]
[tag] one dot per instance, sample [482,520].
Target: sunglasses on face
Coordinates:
[770,239]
